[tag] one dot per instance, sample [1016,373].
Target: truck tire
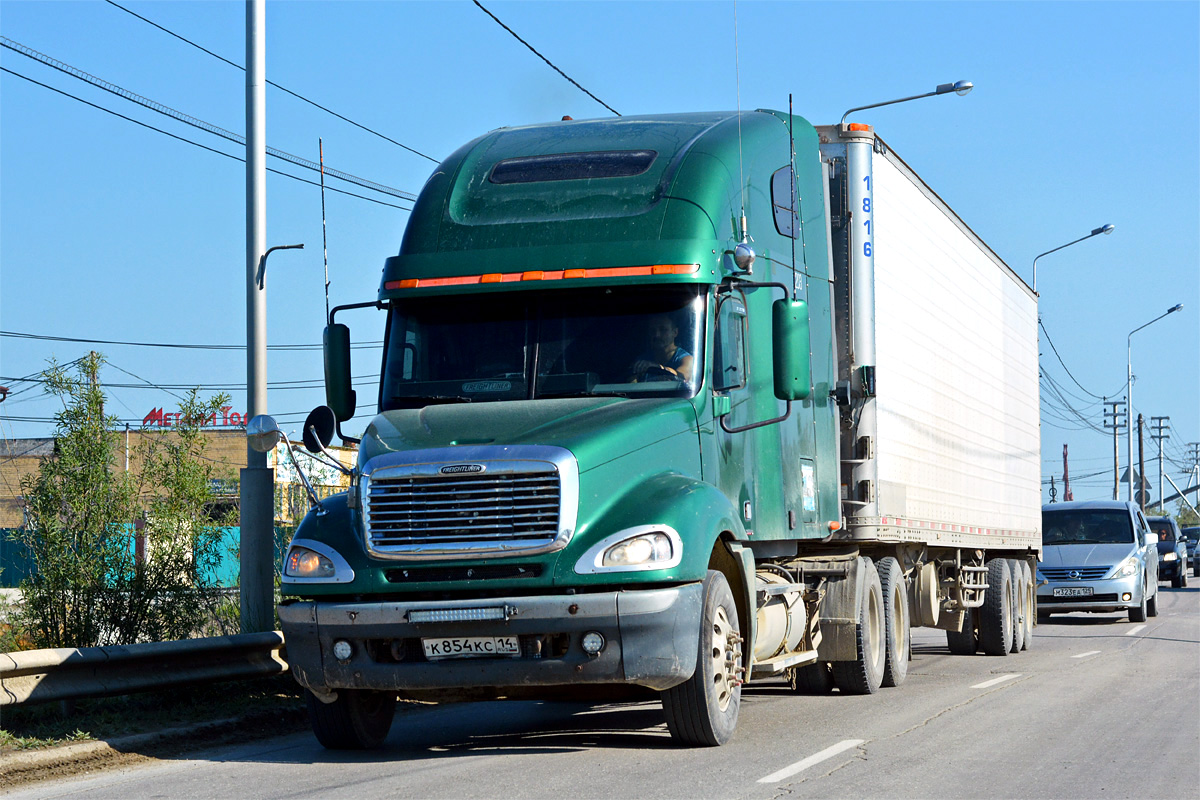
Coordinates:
[358,720]
[964,642]
[898,634]
[703,710]
[811,679]
[1019,611]
[1138,613]
[1030,592]
[995,620]
[864,675]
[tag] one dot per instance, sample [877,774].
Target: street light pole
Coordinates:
[1129,393]
[1105,229]
[960,88]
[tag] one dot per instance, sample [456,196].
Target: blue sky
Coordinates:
[1083,114]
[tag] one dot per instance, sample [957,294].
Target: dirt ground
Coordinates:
[19,768]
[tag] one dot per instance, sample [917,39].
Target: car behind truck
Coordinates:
[669,405]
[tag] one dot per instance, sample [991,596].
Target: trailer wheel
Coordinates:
[864,675]
[895,621]
[995,621]
[1030,593]
[964,642]
[811,679]
[1018,611]
[358,720]
[703,710]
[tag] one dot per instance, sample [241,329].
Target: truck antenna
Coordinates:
[796,217]
[324,241]
[737,73]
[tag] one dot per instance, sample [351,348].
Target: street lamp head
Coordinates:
[958,87]
[1105,229]
[1175,308]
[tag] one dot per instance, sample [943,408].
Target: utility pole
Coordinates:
[1141,476]
[257,501]
[1158,426]
[1194,472]
[1067,494]
[1114,421]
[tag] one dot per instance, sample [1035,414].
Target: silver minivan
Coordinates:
[1097,555]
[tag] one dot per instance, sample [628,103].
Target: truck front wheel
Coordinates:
[357,720]
[703,710]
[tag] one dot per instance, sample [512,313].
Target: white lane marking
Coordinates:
[1134,630]
[800,766]
[1085,655]
[995,681]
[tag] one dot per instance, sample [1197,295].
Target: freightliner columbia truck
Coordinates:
[668,405]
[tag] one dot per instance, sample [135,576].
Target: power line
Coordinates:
[271,83]
[293,347]
[1064,365]
[543,58]
[193,143]
[165,110]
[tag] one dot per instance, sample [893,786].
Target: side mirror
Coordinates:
[789,333]
[1152,539]
[338,391]
[263,433]
[319,428]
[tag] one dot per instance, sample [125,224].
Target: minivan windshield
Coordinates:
[1087,526]
[1165,530]
[641,341]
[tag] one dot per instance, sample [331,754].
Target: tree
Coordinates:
[92,585]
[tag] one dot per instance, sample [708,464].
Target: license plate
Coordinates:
[1074,591]
[471,647]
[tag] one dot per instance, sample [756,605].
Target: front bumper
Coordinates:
[1107,595]
[1170,570]
[650,640]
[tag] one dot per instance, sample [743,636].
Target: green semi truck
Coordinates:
[671,404]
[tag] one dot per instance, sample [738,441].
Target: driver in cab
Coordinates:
[662,359]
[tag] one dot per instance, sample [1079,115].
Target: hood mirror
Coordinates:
[319,428]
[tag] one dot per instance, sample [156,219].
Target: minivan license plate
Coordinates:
[471,647]
[1073,591]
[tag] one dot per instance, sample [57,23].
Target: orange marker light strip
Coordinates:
[544,275]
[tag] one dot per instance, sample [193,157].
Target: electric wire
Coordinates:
[191,142]
[273,83]
[187,119]
[543,58]
[288,347]
[1064,366]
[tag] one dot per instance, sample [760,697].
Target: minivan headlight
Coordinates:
[1128,567]
[1171,556]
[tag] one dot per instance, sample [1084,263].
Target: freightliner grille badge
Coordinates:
[462,469]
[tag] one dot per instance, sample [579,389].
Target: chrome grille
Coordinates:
[1065,573]
[432,510]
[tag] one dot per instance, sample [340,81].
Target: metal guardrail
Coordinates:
[38,676]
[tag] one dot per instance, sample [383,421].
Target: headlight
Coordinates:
[305,563]
[1172,556]
[645,547]
[1128,567]
[310,561]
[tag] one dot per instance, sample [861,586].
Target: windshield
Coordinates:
[609,341]
[1097,526]
[1164,530]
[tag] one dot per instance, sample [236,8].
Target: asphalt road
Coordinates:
[1098,707]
